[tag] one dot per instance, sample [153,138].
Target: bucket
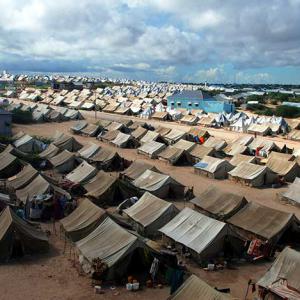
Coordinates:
[129,286]
[135,286]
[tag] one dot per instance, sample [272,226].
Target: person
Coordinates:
[154,269]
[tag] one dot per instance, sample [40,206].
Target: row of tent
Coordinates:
[45,113]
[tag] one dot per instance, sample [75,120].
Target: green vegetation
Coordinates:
[287,111]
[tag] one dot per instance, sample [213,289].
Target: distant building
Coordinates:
[5,123]
[198,100]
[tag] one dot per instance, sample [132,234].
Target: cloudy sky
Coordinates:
[176,40]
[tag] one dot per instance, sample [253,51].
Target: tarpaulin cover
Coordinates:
[49,152]
[199,151]
[89,150]
[22,178]
[137,168]
[239,158]
[82,173]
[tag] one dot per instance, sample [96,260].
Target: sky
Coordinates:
[217,41]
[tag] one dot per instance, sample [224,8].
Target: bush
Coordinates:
[21,117]
[256,107]
[287,111]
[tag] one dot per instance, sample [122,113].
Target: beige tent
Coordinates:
[110,243]
[160,185]
[185,145]
[292,195]
[150,213]
[27,174]
[150,136]
[108,136]
[264,145]
[200,151]
[174,136]
[12,229]
[195,133]
[9,164]
[63,162]
[108,189]
[137,168]
[161,115]
[261,129]
[255,220]
[111,107]
[108,160]
[65,142]
[123,140]
[218,204]
[216,143]
[139,132]
[294,135]
[82,173]
[252,174]
[234,149]
[89,150]
[189,120]
[282,279]
[90,130]
[213,167]
[162,130]
[207,121]
[238,158]
[202,235]
[175,156]
[196,289]
[49,152]
[83,220]
[76,128]
[151,149]
[114,126]
[28,144]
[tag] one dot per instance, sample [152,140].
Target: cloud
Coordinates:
[160,39]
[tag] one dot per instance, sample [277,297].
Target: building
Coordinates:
[5,123]
[198,100]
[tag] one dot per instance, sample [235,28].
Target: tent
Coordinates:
[213,167]
[78,126]
[162,130]
[73,114]
[238,158]
[108,189]
[151,136]
[207,121]
[161,115]
[28,144]
[108,160]
[151,149]
[160,185]
[175,156]
[260,129]
[189,120]
[202,235]
[20,180]
[112,126]
[294,135]
[255,220]
[139,132]
[252,174]
[49,152]
[55,116]
[289,170]
[218,204]
[9,164]
[82,173]
[83,220]
[185,145]
[200,151]
[111,107]
[89,150]
[239,125]
[234,149]
[216,143]
[63,162]
[293,193]
[282,279]
[65,142]
[174,136]
[110,243]
[150,213]
[38,186]
[137,168]
[90,130]
[196,289]
[264,146]
[123,140]
[108,136]
[195,134]
[15,232]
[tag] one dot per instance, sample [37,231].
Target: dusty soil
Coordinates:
[55,277]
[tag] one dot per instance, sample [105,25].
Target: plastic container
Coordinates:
[129,286]
[135,286]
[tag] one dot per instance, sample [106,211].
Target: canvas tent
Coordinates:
[264,146]
[151,149]
[108,189]
[175,156]
[202,235]
[137,168]
[90,130]
[255,220]
[195,134]
[234,149]
[218,204]
[82,173]
[161,115]
[292,194]
[174,136]
[63,162]
[196,289]
[77,127]
[185,145]
[200,151]
[83,220]
[139,132]
[110,243]
[151,136]
[282,279]
[239,158]
[108,160]
[216,143]
[160,185]
[89,150]
[65,142]
[27,174]
[123,140]
[213,167]
[108,136]
[261,129]
[28,144]
[150,213]
[12,229]
[252,174]
[9,164]
[189,120]
[49,152]
[162,130]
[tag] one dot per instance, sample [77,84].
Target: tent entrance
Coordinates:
[17,248]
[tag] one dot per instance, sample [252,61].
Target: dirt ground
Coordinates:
[55,277]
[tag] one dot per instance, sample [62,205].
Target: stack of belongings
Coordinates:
[150,213]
